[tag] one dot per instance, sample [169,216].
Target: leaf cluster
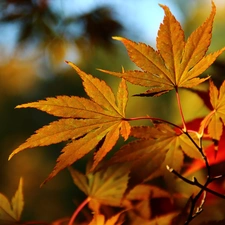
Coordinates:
[138,176]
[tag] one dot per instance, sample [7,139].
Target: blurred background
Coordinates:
[36,36]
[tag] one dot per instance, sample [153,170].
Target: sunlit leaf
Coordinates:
[175,63]
[85,122]
[216,118]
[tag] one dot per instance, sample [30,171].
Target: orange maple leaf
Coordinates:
[176,63]
[155,148]
[215,120]
[84,121]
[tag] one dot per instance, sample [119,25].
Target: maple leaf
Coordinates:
[84,121]
[176,63]
[215,120]
[155,148]
[11,211]
[99,219]
[140,197]
[145,191]
[105,186]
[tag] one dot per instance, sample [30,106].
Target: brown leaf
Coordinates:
[155,148]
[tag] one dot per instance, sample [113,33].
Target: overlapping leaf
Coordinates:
[11,211]
[106,186]
[84,121]
[176,63]
[99,219]
[216,119]
[156,148]
[140,197]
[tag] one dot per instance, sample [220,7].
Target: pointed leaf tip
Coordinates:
[10,156]
[73,65]
[176,63]
[18,201]
[117,38]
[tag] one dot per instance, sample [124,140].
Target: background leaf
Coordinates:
[217,120]
[12,212]
[17,201]
[105,186]
[6,212]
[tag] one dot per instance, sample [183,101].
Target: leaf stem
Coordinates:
[180,109]
[81,206]
[153,119]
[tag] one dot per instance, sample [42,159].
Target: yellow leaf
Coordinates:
[122,96]
[98,91]
[196,48]
[110,140]
[175,63]
[6,212]
[216,118]
[125,130]
[105,186]
[17,201]
[84,122]
[11,212]
[66,106]
[170,42]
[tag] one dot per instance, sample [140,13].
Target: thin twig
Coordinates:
[153,119]
[201,152]
[203,191]
[196,183]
